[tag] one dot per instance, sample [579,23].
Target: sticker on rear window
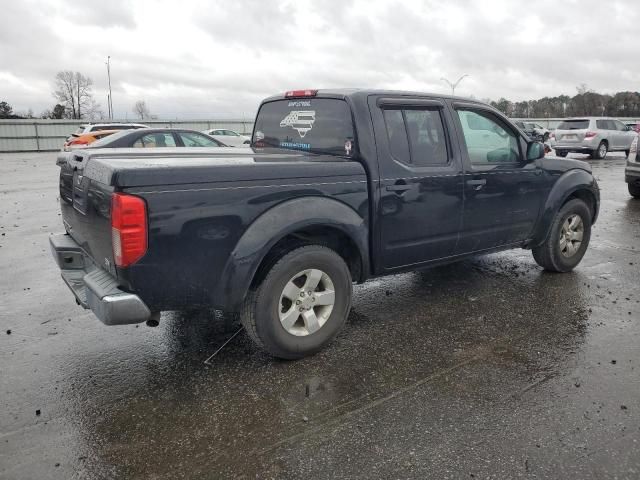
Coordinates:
[300,120]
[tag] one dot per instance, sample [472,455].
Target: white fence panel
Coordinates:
[49,135]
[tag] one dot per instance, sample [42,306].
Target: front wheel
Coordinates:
[301,304]
[568,239]
[634,190]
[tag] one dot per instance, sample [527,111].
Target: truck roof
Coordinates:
[357,92]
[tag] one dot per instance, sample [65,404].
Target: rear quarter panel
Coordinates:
[193,230]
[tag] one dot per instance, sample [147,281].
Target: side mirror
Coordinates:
[535,150]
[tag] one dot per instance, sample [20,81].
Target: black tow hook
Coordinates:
[154,320]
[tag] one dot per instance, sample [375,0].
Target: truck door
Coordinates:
[421,189]
[503,192]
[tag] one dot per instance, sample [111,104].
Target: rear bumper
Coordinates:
[95,288]
[574,148]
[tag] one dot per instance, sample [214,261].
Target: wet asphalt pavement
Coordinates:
[485,369]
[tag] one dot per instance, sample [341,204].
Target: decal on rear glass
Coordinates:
[300,120]
[302,146]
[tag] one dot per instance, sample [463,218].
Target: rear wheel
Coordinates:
[634,190]
[301,304]
[568,239]
[561,153]
[600,152]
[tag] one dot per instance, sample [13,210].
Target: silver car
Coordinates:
[592,135]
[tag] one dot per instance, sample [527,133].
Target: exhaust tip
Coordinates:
[154,320]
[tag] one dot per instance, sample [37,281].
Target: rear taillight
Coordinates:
[300,93]
[128,228]
[590,134]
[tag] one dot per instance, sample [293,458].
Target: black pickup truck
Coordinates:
[338,186]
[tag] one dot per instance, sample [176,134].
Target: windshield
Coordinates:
[574,125]
[321,125]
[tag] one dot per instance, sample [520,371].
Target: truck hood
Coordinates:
[562,165]
[175,166]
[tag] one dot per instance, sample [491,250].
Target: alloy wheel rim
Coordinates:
[306,302]
[603,150]
[571,235]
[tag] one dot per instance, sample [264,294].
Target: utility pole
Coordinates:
[109,106]
[110,94]
[455,84]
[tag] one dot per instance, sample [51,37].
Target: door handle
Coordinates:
[399,187]
[477,184]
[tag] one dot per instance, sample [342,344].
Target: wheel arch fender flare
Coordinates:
[272,226]
[568,185]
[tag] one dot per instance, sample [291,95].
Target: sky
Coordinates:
[213,59]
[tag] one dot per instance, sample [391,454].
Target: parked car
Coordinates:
[527,128]
[280,231]
[533,130]
[595,136]
[635,126]
[94,127]
[632,170]
[156,138]
[541,132]
[86,139]
[229,137]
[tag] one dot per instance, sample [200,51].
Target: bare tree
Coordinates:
[141,110]
[73,91]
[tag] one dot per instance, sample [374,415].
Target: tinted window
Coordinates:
[602,124]
[574,125]
[155,140]
[487,140]
[397,134]
[426,137]
[314,124]
[196,140]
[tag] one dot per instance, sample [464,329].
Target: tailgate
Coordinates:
[86,210]
[570,136]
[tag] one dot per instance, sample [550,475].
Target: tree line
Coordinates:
[75,100]
[585,103]
[73,92]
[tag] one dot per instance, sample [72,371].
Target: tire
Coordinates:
[561,153]
[269,301]
[626,153]
[634,190]
[600,152]
[551,255]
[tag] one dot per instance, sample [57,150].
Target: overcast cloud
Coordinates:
[196,59]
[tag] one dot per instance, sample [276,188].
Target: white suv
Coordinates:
[593,135]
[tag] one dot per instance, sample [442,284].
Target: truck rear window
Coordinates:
[574,125]
[321,125]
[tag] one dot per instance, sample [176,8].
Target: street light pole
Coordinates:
[454,85]
[110,94]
